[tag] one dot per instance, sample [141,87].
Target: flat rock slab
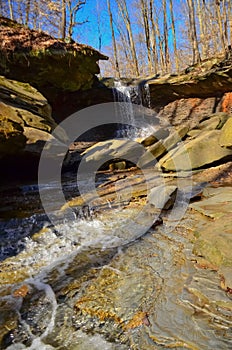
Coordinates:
[106,151]
[203,150]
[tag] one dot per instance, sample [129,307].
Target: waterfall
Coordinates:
[132,94]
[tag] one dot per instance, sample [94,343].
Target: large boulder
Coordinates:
[226,134]
[45,62]
[198,152]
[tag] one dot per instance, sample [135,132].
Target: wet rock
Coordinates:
[226,134]
[215,245]
[162,146]
[8,319]
[119,298]
[201,151]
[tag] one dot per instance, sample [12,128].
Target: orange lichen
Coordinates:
[139,319]
[99,313]
[21,292]
[227,103]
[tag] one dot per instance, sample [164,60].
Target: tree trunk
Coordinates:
[160,44]
[99,27]
[193,32]
[225,22]
[28,5]
[174,36]
[201,18]
[113,40]
[73,8]
[144,9]
[219,20]
[11,9]
[71,20]
[63,20]
[124,12]
[165,33]
[153,38]
[230,21]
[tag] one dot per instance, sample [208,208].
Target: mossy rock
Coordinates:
[24,96]
[43,61]
[25,122]
[12,139]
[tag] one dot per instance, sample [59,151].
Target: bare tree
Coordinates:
[125,15]
[165,34]
[160,41]
[63,19]
[174,35]
[220,25]
[193,32]
[230,20]
[225,22]
[145,11]
[113,40]
[153,37]
[11,9]
[201,15]
[73,9]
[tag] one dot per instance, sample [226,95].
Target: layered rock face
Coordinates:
[32,63]
[194,94]
[25,125]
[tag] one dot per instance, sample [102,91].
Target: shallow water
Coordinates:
[94,283]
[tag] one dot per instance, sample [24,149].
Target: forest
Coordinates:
[141,37]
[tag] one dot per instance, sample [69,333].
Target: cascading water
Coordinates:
[132,94]
[90,282]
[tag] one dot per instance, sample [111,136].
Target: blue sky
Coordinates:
[88,33]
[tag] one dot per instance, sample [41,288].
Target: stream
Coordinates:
[118,274]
